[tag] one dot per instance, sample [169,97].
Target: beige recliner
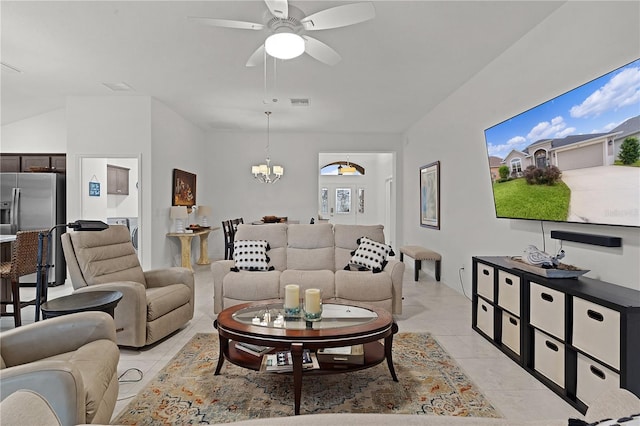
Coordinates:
[72,361]
[154,304]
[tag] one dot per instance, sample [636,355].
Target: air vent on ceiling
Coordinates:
[300,102]
[119,87]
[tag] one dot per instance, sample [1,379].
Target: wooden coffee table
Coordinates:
[341,325]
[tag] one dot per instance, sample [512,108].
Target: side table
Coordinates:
[185,246]
[104,301]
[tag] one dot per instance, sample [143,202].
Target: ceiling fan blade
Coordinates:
[320,51]
[339,16]
[278,8]
[257,57]
[227,23]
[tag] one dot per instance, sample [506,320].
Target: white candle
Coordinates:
[312,300]
[291,296]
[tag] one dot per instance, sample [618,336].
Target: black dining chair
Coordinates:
[227,229]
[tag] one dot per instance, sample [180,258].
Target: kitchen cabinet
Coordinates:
[35,162]
[29,162]
[117,180]
[10,163]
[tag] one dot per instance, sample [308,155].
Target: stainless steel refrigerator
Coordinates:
[31,201]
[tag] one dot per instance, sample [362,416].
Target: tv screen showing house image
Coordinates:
[574,158]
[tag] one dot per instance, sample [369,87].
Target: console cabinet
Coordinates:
[579,337]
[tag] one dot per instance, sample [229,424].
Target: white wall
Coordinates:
[44,133]
[94,170]
[579,42]
[235,193]
[141,127]
[176,144]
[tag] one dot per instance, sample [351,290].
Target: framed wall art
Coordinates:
[430,195]
[184,189]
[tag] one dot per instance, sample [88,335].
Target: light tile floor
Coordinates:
[429,306]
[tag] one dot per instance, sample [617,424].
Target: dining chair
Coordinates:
[24,261]
[227,229]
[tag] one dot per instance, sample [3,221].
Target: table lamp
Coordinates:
[179,214]
[204,212]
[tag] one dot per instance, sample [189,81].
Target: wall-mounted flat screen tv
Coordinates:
[574,158]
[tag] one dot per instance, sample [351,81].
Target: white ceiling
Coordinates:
[395,68]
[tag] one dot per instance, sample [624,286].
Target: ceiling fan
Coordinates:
[284,20]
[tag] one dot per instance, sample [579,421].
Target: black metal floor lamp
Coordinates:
[42,269]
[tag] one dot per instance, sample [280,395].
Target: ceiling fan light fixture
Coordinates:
[284,45]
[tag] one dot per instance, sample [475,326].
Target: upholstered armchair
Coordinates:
[154,304]
[72,361]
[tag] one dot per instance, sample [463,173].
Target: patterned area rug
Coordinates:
[187,392]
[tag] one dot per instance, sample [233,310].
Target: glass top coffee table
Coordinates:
[264,324]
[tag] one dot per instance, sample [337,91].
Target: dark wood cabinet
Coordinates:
[117,180]
[59,163]
[579,337]
[10,163]
[35,163]
[30,162]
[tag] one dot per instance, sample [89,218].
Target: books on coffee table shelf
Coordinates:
[256,350]
[342,355]
[282,362]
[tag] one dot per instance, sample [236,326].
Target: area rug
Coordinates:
[187,392]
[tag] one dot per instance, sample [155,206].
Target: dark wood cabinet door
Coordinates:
[117,180]
[10,163]
[35,162]
[59,163]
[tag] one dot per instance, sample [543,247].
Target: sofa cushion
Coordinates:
[363,286]
[162,300]
[310,247]
[97,362]
[322,279]
[346,240]
[275,234]
[371,255]
[251,255]
[252,286]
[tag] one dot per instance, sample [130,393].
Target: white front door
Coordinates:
[339,203]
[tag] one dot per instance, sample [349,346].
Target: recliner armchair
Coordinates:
[154,304]
[71,360]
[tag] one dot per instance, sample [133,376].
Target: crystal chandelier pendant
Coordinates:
[265,173]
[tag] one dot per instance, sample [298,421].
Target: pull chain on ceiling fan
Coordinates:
[288,25]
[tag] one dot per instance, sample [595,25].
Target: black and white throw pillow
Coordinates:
[370,255]
[251,255]
[631,420]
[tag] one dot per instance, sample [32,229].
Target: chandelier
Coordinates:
[263,172]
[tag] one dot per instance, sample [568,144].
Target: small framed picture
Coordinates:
[430,195]
[94,189]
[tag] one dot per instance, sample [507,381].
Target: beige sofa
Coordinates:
[154,304]
[613,404]
[72,361]
[312,256]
